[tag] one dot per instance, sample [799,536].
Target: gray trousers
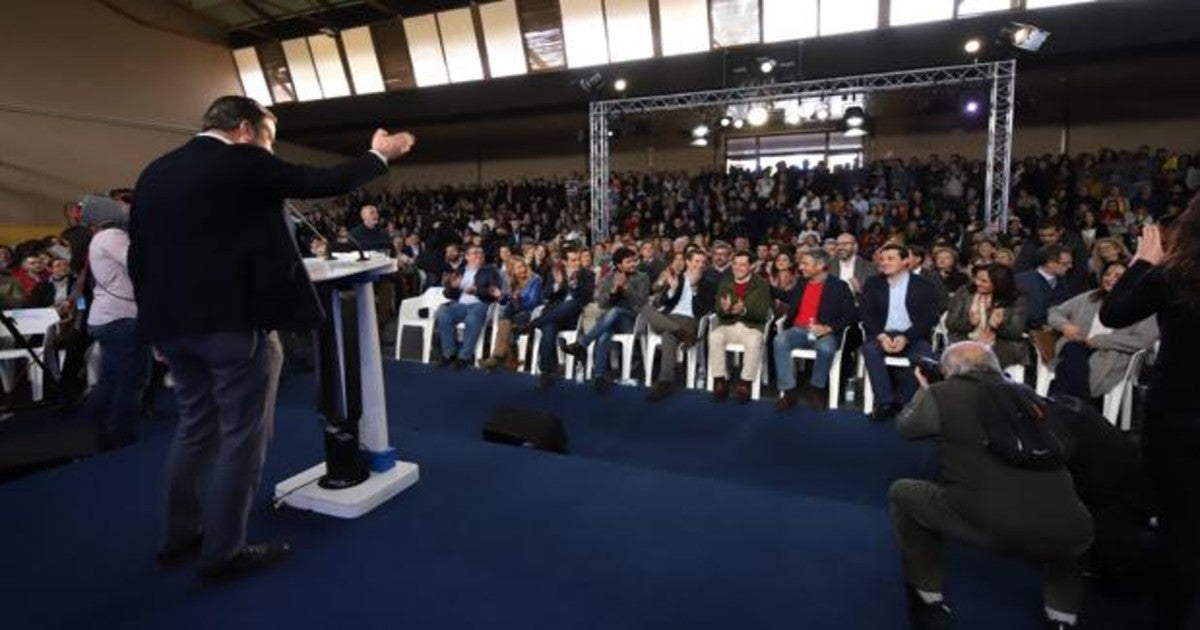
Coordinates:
[225,384]
[922,516]
[665,325]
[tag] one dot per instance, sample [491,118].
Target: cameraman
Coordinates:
[982,499]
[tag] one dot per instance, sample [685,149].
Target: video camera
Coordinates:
[930,369]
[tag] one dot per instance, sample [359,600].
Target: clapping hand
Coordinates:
[495,292]
[1150,248]
[996,319]
[393,145]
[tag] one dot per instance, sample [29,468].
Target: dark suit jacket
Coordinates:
[704,298]
[920,301]
[584,290]
[485,278]
[836,310]
[1039,297]
[43,292]
[210,250]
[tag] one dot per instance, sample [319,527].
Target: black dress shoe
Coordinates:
[660,391]
[175,555]
[545,380]
[786,401]
[574,349]
[923,616]
[247,560]
[602,383]
[446,362]
[461,364]
[816,398]
[885,413]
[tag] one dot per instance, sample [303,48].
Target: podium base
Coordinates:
[302,492]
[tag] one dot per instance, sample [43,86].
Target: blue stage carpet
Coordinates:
[684,514]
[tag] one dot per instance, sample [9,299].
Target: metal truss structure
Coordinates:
[1000,75]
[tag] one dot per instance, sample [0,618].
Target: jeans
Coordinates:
[796,337]
[553,319]
[615,320]
[881,381]
[114,403]
[448,317]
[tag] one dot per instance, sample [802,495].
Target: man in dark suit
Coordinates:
[686,299]
[1050,231]
[850,267]
[820,308]
[916,264]
[216,272]
[568,288]
[898,318]
[470,292]
[1047,285]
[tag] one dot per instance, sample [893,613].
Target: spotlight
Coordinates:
[757,116]
[855,116]
[591,83]
[726,121]
[972,107]
[856,132]
[738,124]
[767,66]
[1024,36]
[973,46]
[700,131]
[822,112]
[699,142]
[792,115]
[620,85]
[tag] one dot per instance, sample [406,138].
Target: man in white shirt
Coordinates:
[850,267]
[685,299]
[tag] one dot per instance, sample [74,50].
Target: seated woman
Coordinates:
[991,310]
[945,262]
[1105,251]
[1090,358]
[524,294]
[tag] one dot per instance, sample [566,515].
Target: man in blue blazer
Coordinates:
[898,313]
[820,308]
[470,291]
[216,272]
[568,287]
[1046,285]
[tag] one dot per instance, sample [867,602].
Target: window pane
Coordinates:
[1041,4]
[458,41]
[974,7]
[425,49]
[502,36]
[629,34]
[583,32]
[274,65]
[254,84]
[734,22]
[789,19]
[542,21]
[920,11]
[328,61]
[300,66]
[360,55]
[846,16]
[688,30]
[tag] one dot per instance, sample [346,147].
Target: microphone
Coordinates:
[296,214]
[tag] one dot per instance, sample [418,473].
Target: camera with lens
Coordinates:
[930,369]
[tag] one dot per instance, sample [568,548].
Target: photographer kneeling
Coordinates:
[996,492]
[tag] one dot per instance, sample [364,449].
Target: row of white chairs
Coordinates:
[419,312]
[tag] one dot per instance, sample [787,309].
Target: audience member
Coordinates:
[470,292]
[568,288]
[991,311]
[622,293]
[743,307]
[685,296]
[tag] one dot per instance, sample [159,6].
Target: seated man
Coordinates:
[743,308]
[898,317]
[983,499]
[622,294]
[685,299]
[820,308]
[471,291]
[1046,285]
[568,288]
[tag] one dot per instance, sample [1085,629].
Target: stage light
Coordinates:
[1024,36]
[700,131]
[792,115]
[699,142]
[738,124]
[822,112]
[856,132]
[972,107]
[767,66]
[757,116]
[973,46]
[855,116]
[726,121]
[620,85]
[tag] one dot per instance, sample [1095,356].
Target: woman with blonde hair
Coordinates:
[516,308]
[1106,251]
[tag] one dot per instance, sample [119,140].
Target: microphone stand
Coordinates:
[296,214]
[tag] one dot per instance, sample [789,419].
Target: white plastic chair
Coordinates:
[835,370]
[1118,402]
[567,359]
[31,323]
[941,335]
[627,342]
[652,341]
[739,349]
[410,316]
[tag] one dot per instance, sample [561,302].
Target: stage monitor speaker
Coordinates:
[528,428]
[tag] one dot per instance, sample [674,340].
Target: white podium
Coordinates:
[388,477]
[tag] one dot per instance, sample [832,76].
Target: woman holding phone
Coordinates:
[1164,280]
